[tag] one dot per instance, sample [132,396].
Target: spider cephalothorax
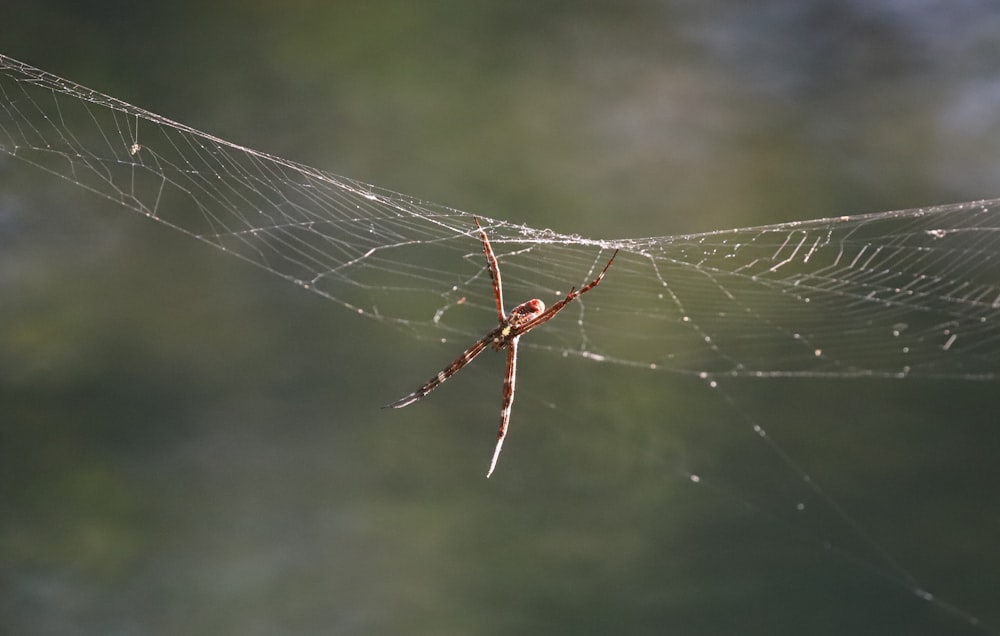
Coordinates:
[521,320]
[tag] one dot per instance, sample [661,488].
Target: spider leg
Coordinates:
[508,401]
[494,267]
[573,294]
[467,356]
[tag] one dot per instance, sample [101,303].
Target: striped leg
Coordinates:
[508,400]
[494,267]
[467,356]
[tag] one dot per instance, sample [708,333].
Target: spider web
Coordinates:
[896,294]
[905,294]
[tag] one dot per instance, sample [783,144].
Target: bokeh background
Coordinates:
[188,445]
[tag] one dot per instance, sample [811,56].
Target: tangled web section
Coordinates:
[910,293]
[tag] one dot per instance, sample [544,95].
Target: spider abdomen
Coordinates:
[512,326]
[525,312]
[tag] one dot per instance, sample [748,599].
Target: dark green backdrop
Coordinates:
[191,446]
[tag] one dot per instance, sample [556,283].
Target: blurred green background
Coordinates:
[188,445]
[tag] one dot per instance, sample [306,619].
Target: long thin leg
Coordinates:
[571,296]
[494,267]
[453,368]
[508,400]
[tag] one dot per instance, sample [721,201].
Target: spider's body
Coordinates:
[519,316]
[522,319]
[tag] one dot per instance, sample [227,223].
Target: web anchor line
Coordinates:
[893,573]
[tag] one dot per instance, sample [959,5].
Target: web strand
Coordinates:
[912,293]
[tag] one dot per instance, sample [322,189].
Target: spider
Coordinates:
[521,320]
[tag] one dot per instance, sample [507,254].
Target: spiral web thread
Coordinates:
[896,294]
